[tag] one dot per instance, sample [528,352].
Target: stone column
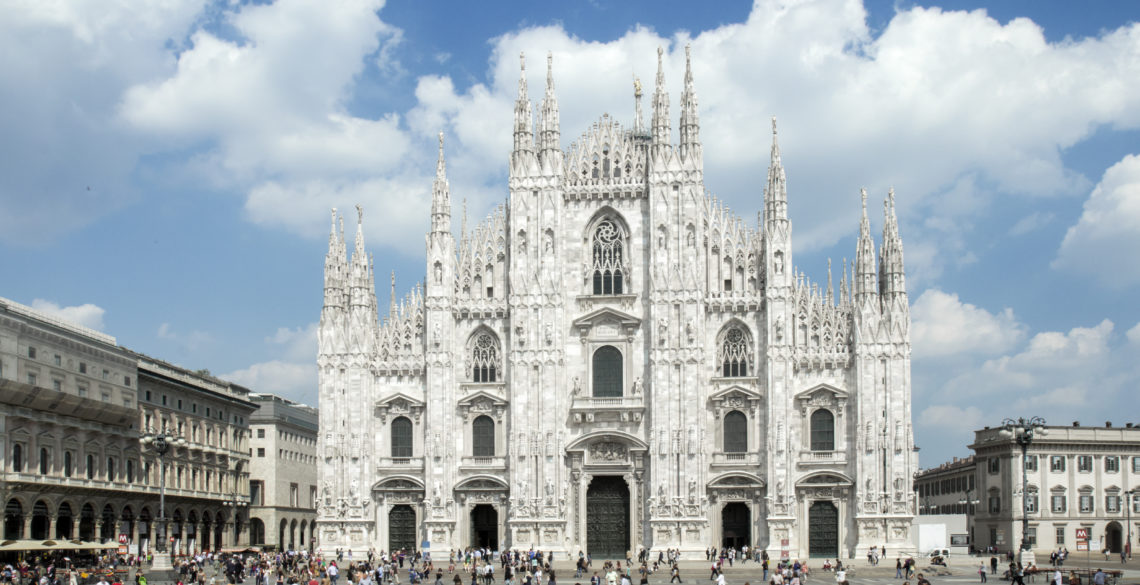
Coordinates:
[51,526]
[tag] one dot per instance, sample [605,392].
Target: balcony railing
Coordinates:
[491,462]
[585,402]
[400,462]
[736,458]
[823,457]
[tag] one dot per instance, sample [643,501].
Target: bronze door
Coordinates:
[607,518]
[402,529]
[823,530]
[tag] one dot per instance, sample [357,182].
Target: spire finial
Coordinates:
[440,167]
[463,229]
[863,194]
[333,228]
[549,70]
[891,197]
[522,62]
[359,215]
[774,126]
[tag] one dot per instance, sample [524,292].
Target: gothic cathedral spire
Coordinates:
[440,195]
[524,139]
[892,279]
[549,138]
[776,195]
[660,105]
[865,284]
[690,121]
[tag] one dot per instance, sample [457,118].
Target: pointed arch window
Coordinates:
[822,430]
[401,437]
[607,370]
[483,437]
[485,358]
[735,352]
[610,270]
[735,432]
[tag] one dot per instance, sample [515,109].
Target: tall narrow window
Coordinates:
[609,262]
[401,437]
[483,437]
[735,432]
[607,372]
[67,465]
[17,457]
[735,352]
[822,430]
[43,461]
[485,358]
[90,466]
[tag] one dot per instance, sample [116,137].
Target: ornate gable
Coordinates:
[399,404]
[606,323]
[822,396]
[482,402]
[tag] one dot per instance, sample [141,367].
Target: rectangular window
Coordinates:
[1060,535]
[58,360]
[179,404]
[1086,501]
[1057,463]
[1031,503]
[261,451]
[194,408]
[57,385]
[1084,463]
[148,399]
[1136,465]
[164,400]
[31,352]
[995,504]
[82,368]
[1136,503]
[312,496]
[83,392]
[260,433]
[127,381]
[1112,504]
[294,495]
[1031,536]
[255,493]
[106,397]
[31,379]
[1031,463]
[1112,464]
[1058,505]
[994,465]
[106,374]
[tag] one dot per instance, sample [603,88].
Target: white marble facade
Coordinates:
[615,325]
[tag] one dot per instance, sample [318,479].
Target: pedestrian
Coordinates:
[982,572]
[898,568]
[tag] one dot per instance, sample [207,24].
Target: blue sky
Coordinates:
[166,169]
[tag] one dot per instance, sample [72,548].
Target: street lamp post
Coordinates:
[161,442]
[1023,431]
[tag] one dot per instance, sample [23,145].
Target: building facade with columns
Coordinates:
[73,407]
[283,473]
[614,360]
[1079,477]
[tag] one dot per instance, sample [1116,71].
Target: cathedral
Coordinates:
[612,361]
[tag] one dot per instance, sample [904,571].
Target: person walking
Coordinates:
[898,568]
[676,574]
[982,572]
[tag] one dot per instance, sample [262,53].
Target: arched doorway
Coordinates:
[107,531]
[485,527]
[87,523]
[64,522]
[13,520]
[402,528]
[736,525]
[1113,537]
[281,542]
[219,528]
[607,517]
[146,524]
[40,521]
[823,530]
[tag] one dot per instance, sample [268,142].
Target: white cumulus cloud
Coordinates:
[1104,242]
[296,381]
[87,314]
[943,325]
